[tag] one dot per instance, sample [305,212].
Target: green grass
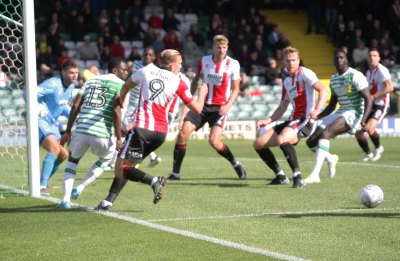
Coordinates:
[323,221]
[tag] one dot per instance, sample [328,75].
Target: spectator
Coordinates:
[244,87]
[42,43]
[105,57]
[360,56]
[158,44]
[386,42]
[376,31]
[155,21]
[254,66]
[171,40]
[48,58]
[116,48]
[44,73]
[137,9]
[215,26]
[134,55]
[62,58]
[191,52]
[198,37]
[272,73]
[88,51]
[78,28]
[90,72]
[116,20]
[387,58]
[3,78]
[170,21]
[393,15]
[149,37]
[135,31]
[60,46]
[339,31]
[314,16]
[103,19]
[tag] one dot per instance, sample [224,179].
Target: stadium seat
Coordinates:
[127,44]
[191,18]
[70,45]
[92,62]
[138,44]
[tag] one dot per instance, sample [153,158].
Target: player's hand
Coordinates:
[313,115]
[118,144]
[263,123]
[224,109]
[42,110]
[202,90]
[180,124]
[65,139]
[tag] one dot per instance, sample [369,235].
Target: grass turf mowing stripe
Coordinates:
[172,230]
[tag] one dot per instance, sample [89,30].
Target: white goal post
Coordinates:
[18,57]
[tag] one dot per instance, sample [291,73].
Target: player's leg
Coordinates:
[363,143]
[338,126]
[180,149]
[63,155]
[286,139]
[370,127]
[53,147]
[262,146]
[215,141]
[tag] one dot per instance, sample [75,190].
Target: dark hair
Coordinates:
[114,63]
[69,64]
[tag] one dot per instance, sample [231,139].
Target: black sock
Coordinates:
[291,156]
[134,174]
[227,154]
[179,154]
[375,139]
[268,157]
[116,187]
[362,141]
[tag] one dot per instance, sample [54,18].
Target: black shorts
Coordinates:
[302,126]
[139,143]
[209,114]
[378,112]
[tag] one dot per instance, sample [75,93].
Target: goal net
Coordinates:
[13,141]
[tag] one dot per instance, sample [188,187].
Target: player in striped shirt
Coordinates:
[98,107]
[349,88]
[221,73]
[158,90]
[299,90]
[149,56]
[54,96]
[380,86]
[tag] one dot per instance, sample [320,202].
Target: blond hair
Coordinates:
[219,38]
[289,50]
[168,56]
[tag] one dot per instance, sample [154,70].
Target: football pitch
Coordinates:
[211,215]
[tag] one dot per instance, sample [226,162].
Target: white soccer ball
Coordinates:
[371,196]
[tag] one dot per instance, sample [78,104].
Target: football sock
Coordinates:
[116,187]
[68,183]
[153,155]
[47,167]
[362,141]
[320,155]
[179,154]
[94,172]
[227,154]
[268,157]
[134,174]
[55,168]
[291,156]
[375,139]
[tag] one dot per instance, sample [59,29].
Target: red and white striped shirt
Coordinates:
[376,79]
[299,91]
[218,78]
[158,89]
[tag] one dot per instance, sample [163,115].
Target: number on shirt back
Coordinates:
[156,87]
[96,98]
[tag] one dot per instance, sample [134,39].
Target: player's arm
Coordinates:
[117,116]
[76,107]
[232,98]
[128,85]
[387,88]
[276,115]
[195,82]
[330,107]
[196,106]
[365,94]
[322,94]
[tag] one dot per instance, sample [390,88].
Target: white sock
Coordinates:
[68,183]
[154,181]
[153,155]
[296,173]
[321,153]
[94,172]
[112,163]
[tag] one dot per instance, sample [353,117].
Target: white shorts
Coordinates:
[350,117]
[80,143]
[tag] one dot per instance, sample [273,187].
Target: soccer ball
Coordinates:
[371,196]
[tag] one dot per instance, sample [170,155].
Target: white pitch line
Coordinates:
[181,232]
[274,214]
[353,163]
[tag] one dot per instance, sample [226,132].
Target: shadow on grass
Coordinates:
[41,208]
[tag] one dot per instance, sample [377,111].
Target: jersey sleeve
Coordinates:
[384,74]
[199,66]
[310,77]
[136,76]
[235,70]
[285,96]
[360,81]
[184,92]
[44,89]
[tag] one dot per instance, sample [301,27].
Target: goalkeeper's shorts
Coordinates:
[47,129]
